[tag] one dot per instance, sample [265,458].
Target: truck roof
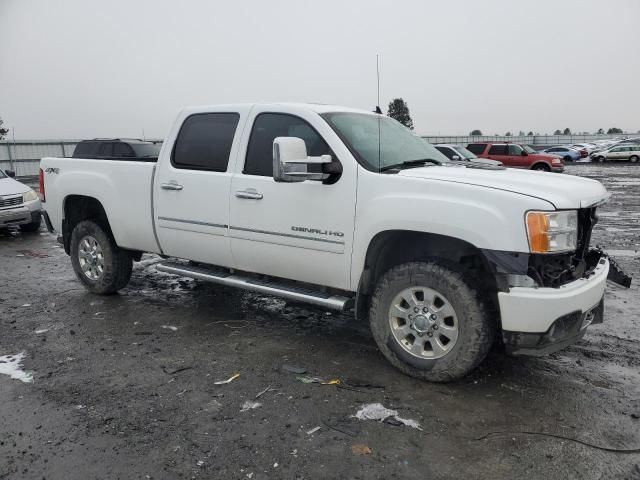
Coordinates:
[314,107]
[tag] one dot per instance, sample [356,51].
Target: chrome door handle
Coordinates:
[250,193]
[173,185]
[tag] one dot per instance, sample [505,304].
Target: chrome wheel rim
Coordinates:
[423,322]
[91,258]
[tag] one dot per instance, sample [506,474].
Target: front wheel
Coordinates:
[99,264]
[600,159]
[429,322]
[634,158]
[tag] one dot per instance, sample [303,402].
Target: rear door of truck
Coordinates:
[191,191]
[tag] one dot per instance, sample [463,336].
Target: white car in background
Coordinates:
[19,204]
[630,152]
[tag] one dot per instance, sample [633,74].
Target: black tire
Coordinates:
[600,159]
[33,226]
[475,326]
[541,167]
[634,158]
[567,158]
[118,263]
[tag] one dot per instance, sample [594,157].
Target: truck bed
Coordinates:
[123,187]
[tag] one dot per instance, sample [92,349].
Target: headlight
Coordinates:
[552,232]
[30,196]
[556,160]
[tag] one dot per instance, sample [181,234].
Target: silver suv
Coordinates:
[630,152]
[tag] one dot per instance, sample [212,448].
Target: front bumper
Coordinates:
[557,168]
[565,331]
[21,215]
[534,310]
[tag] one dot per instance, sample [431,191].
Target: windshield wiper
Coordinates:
[410,164]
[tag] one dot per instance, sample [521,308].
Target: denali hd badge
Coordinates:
[317,231]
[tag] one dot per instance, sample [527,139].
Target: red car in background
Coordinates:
[517,156]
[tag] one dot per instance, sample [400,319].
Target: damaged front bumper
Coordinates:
[541,320]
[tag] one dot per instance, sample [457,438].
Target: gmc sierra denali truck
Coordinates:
[344,208]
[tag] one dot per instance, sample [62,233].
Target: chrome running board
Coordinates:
[269,287]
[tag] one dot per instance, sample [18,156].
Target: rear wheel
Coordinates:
[600,159]
[429,323]
[634,158]
[541,167]
[99,264]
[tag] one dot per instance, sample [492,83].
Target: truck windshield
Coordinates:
[378,141]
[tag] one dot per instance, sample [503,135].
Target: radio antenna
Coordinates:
[378,110]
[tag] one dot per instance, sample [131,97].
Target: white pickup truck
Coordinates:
[345,209]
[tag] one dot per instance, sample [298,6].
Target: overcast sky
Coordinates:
[79,68]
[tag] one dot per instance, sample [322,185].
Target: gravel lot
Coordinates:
[124,386]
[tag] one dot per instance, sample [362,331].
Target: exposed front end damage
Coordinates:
[547,301]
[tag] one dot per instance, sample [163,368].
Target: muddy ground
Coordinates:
[123,386]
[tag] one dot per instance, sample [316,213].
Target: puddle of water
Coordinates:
[12,365]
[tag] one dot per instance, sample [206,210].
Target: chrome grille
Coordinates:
[10,202]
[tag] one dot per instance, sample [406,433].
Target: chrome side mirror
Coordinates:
[291,162]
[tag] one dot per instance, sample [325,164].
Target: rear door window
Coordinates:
[204,142]
[498,150]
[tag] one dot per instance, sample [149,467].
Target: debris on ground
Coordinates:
[262,392]
[228,380]
[376,411]
[293,369]
[321,381]
[313,430]
[170,327]
[172,371]
[360,449]
[12,365]
[250,405]
[307,379]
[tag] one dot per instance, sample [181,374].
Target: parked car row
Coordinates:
[627,149]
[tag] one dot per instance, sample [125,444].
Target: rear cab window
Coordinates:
[204,141]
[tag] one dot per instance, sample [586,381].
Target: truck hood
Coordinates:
[562,191]
[9,186]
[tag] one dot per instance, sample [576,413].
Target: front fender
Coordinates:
[483,217]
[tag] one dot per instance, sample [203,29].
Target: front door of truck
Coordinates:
[301,231]
[191,192]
